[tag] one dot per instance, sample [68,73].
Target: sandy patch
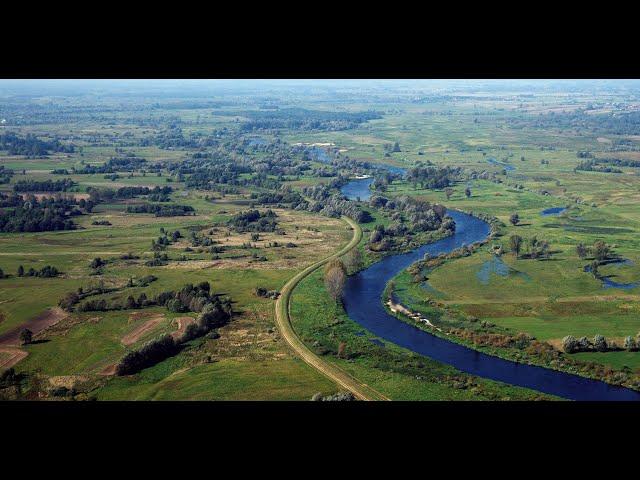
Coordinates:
[603,140]
[141,330]
[109,370]
[182,323]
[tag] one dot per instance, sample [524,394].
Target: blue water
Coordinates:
[608,283]
[506,166]
[497,267]
[393,169]
[359,188]
[552,211]
[363,303]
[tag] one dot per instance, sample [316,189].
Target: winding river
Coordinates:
[363,303]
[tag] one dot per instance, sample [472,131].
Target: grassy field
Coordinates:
[482,133]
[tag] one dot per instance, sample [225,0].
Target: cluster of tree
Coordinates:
[5,174]
[10,200]
[410,214]
[159,259]
[388,148]
[264,293]
[43,186]
[46,214]
[162,210]
[156,194]
[151,353]
[45,272]
[353,261]
[113,165]
[105,195]
[31,146]
[281,197]
[599,344]
[212,313]
[593,166]
[534,248]
[302,119]
[600,251]
[335,276]
[254,221]
[620,162]
[326,202]
[70,300]
[433,177]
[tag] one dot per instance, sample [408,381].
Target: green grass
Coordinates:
[227,379]
[393,371]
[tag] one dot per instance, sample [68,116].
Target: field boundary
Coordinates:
[360,390]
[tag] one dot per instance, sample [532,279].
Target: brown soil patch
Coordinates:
[109,370]
[11,356]
[183,323]
[36,325]
[141,330]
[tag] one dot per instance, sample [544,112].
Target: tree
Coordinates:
[600,343]
[448,192]
[515,242]
[26,336]
[353,260]
[600,250]
[1,273]
[569,344]
[581,250]
[131,303]
[334,279]
[630,343]
[594,268]
[467,192]
[20,271]
[514,219]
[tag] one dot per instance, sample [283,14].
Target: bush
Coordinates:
[629,343]
[600,343]
[569,344]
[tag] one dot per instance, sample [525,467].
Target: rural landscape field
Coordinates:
[340,240]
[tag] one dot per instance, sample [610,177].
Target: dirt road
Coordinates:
[283,320]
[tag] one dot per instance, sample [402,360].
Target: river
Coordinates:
[363,303]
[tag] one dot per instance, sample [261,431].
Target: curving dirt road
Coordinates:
[283,320]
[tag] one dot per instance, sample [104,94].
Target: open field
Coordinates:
[229,153]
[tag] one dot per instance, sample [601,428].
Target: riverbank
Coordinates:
[490,339]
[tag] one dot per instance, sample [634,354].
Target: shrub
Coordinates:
[569,344]
[630,343]
[26,336]
[600,343]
